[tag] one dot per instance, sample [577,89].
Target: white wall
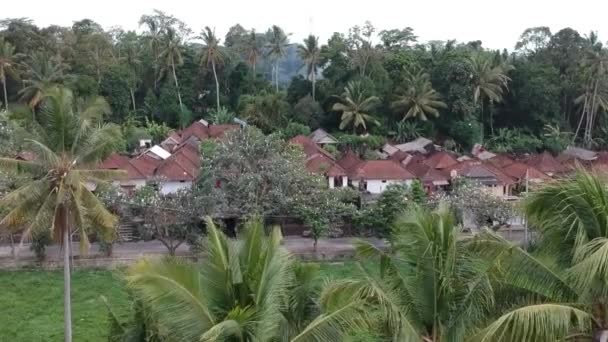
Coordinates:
[377,186]
[496,190]
[171,187]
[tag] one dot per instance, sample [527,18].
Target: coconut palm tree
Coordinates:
[356,106]
[248,290]
[171,55]
[252,50]
[212,54]
[277,49]
[43,72]
[420,100]
[564,277]
[429,288]
[595,95]
[489,80]
[311,55]
[8,65]
[71,139]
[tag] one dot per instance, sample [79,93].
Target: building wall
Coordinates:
[171,187]
[496,190]
[377,186]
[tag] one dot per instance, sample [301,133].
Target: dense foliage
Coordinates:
[386,82]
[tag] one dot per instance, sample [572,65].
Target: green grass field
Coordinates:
[31,303]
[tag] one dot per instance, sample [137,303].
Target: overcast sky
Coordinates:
[496,24]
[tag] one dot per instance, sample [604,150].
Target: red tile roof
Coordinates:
[546,163]
[217,131]
[501,161]
[173,170]
[380,169]
[113,162]
[518,171]
[427,174]
[196,129]
[145,165]
[482,171]
[441,160]
[349,160]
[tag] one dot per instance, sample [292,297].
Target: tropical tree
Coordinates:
[8,65]
[171,55]
[42,73]
[595,96]
[249,290]
[356,106]
[420,99]
[489,80]
[277,49]
[311,55]
[429,288]
[563,279]
[212,54]
[252,50]
[72,139]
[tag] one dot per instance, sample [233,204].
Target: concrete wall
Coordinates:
[496,190]
[377,186]
[171,187]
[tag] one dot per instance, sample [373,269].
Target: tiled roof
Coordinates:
[399,156]
[546,163]
[217,131]
[25,156]
[501,161]
[349,160]
[380,169]
[173,170]
[441,160]
[145,165]
[481,171]
[427,174]
[113,162]
[519,170]
[320,136]
[196,129]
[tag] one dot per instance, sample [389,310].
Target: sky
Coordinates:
[496,24]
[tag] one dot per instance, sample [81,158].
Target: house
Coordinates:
[490,177]
[431,178]
[321,137]
[321,162]
[175,162]
[546,163]
[420,145]
[374,176]
[523,173]
[481,153]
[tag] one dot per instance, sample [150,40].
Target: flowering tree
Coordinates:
[484,208]
[169,218]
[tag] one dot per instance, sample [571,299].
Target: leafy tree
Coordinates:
[157,131]
[253,291]
[8,63]
[71,140]
[356,107]
[221,117]
[379,216]
[169,218]
[265,110]
[212,54]
[417,193]
[397,39]
[419,99]
[307,111]
[294,129]
[310,54]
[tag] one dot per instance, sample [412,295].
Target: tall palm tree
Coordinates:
[595,95]
[212,54]
[356,106]
[310,54]
[8,65]
[489,80]
[420,99]
[429,288]
[171,55]
[43,73]
[277,49]
[71,140]
[155,37]
[252,50]
[249,290]
[565,276]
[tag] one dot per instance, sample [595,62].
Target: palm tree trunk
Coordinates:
[590,117]
[5,94]
[67,302]
[481,119]
[276,73]
[313,82]
[217,86]
[179,96]
[133,99]
[580,122]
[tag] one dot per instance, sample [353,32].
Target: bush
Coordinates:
[294,129]
[378,217]
[39,243]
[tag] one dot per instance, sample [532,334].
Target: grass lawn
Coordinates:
[31,302]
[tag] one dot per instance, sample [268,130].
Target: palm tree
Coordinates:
[595,96]
[429,288]
[420,99]
[213,54]
[277,49]
[8,65]
[171,55]
[355,107]
[489,80]
[310,54]
[565,275]
[155,37]
[252,50]
[43,73]
[71,140]
[249,290]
